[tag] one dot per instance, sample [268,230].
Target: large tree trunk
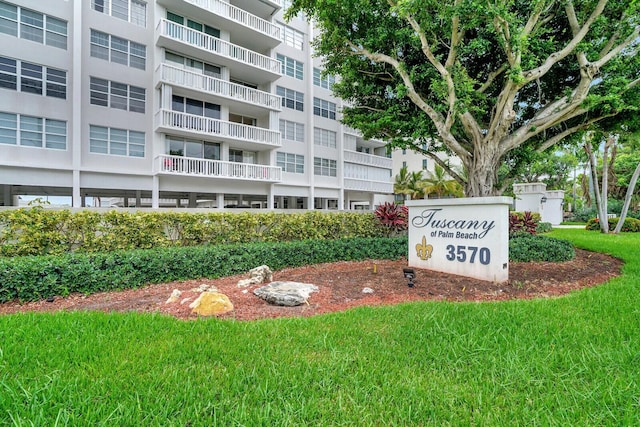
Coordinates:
[627,199]
[483,174]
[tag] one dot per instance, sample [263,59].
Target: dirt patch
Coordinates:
[341,285]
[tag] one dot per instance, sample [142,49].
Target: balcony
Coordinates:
[241,136]
[368,186]
[264,8]
[243,63]
[188,166]
[367,159]
[244,97]
[245,28]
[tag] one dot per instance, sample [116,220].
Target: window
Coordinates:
[424,164]
[291,37]
[292,130]
[34,26]
[324,108]
[324,137]
[239,156]
[134,11]
[56,83]
[245,120]
[118,142]
[290,67]
[325,82]
[8,73]
[28,131]
[197,26]
[119,50]
[195,107]
[293,163]
[291,98]
[117,95]
[8,19]
[324,167]
[193,148]
[32,78]
[193,65]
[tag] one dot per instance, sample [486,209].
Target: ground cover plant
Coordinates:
[565,361]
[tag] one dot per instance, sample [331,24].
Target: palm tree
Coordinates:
[415,186]
[440,184]
[401,182]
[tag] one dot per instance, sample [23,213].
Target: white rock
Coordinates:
[175,295]
[367,290]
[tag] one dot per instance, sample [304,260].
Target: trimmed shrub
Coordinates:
[39,231]
[544,227]
[629,225]
[528,247]
[32,278]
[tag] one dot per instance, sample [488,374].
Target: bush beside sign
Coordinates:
[468,236]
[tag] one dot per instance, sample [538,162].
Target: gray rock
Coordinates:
[257,275]
[287,294]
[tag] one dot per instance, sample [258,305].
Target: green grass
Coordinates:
[567,361]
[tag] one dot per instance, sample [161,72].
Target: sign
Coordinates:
[468,236]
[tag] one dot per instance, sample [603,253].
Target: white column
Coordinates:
[155,193]
[220,200]
[270,197]
[75,141]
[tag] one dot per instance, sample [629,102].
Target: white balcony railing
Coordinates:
[180,77]
[238,15]
[178,165]
[367,159]
[220,128]
[368,186]
[218,46]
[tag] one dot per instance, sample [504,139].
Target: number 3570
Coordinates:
[468,254]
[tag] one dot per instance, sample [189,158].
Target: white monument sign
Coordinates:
[468,236]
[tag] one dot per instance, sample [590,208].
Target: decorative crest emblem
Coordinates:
[423,250]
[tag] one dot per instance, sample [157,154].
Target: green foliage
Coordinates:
[569,361]
[630,224]
[32,278]
[544,227]
[38,231]
[523,222]
[528,247]
[479,78]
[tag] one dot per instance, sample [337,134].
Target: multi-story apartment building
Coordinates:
[175,102]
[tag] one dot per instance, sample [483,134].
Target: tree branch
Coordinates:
[555,57]
[492,77]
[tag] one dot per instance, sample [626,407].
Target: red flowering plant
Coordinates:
[522,223]
[392,217]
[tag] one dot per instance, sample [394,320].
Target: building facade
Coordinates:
[192,103]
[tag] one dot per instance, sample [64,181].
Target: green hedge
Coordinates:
[39,231]
[629,225]
[38,277]
[526,247]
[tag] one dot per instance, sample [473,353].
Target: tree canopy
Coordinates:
[487,81]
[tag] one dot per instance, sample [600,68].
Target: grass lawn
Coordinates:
[573,361]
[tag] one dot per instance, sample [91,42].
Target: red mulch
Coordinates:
[341,285]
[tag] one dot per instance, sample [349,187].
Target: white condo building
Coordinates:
[192,103]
